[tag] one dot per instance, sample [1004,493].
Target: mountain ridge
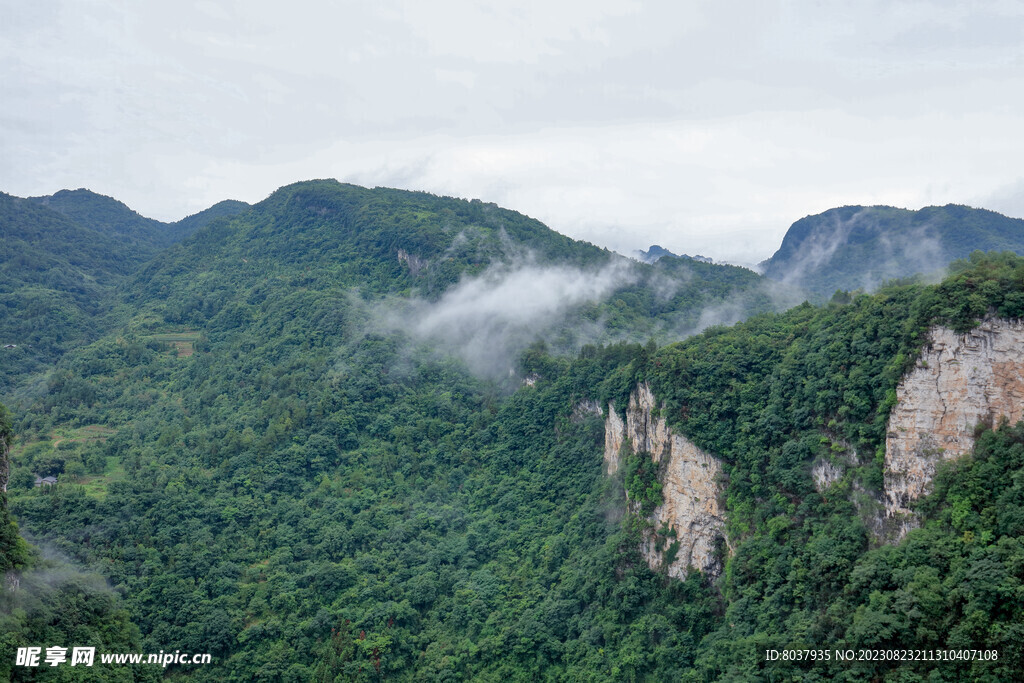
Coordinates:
[859,247]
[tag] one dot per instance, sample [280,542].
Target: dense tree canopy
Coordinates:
[260,469]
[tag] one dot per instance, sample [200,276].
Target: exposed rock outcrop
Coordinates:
[690,522]
[959,381]
[825,473]
[584,409]
[414,262]
[614,439]
[5,463]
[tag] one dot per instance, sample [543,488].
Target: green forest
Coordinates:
[263,450]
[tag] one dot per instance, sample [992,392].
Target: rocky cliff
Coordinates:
[688,528]
[5,462]
[960,381]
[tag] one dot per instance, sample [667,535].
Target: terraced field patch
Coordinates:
[96,485]
[182,342]
[84,434]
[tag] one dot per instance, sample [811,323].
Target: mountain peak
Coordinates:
[656,252]
[653,253]
[105,214]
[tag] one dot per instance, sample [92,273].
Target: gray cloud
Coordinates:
[56,572]
[705,127]
[1007,200]
[917,251]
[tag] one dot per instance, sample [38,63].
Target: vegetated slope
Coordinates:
[188,225]
[298,475]
[55,277]
[308,465]
[857,247]
[60,258]
[43,600]
[312,495]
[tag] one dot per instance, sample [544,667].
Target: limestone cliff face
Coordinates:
[691,514]
[959,381]
[824,474]
[584,409]
[5,464]
[414,262]
[614,438]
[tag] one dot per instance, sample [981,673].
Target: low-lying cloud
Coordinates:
[488,319]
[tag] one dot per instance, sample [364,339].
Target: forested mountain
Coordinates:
[653,253]
[55,278]
[354,434]
[114,219]
[106,215]
[188,225]
[61,256]
[860,247]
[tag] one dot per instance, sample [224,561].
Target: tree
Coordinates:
[13,549]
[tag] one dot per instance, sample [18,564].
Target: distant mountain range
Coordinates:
[656,252]
[860,247]
[62,255]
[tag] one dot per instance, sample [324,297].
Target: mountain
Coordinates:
[190,224]
[656,252]
[108,216]
[61,257]
[55,278]
[857,247]
[41,234]
[367,434]
[114,219]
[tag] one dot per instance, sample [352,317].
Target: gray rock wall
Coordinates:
[959,381]
[691,512]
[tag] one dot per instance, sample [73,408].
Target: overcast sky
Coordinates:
[706,127]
